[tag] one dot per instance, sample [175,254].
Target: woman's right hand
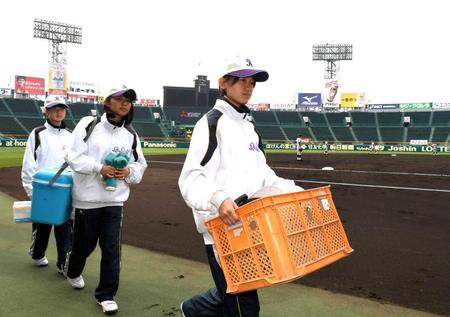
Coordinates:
[227,212]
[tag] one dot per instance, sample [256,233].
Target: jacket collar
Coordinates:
[110,124]
[226,107]
[53,127]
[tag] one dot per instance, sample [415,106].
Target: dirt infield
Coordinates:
[400,235]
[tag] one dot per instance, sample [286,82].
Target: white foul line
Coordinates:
[375,186]
[357,171]
[348,184]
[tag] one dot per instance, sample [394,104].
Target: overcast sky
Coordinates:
[400,48]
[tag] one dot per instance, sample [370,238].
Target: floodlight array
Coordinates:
[57,31]
[332,52]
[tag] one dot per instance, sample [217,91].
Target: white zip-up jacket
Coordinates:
[236,166]
[87,158]
[54,144]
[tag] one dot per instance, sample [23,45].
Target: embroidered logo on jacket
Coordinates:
[254,147]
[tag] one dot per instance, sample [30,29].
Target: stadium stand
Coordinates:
[157,110]
[270,132]
[148,129]
[366,134]
[143,114]
[316,119]
[441,118]
[392,134]
[80,110]
[10,126]
[440,134]
[337,119]
[390,119]
[287,118]
[322,133]
[420,119]
[363,119]
[264,117]
[19,116]
[3,107]
[418,133]
[24,107]
[292,133]
[343,134]
[31,123]
[184,116]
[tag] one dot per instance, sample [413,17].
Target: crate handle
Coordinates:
[235,225]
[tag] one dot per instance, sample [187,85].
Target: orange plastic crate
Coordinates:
[280,238]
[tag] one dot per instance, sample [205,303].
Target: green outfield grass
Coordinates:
[12,156]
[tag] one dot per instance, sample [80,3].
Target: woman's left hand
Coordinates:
[122,173]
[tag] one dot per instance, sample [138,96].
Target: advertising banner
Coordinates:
[258,106]
[151,102]
[57,79]
[5,92]
[309,100]
[83,90]
[29,85]
[353,100]
[396,148]
[441,105]
[383,106]
[331,91]
[282,106]
[421,105]
[331,105]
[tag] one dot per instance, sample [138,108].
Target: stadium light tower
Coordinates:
[332,54]
[58,34]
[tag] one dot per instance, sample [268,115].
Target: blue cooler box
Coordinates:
[51,204]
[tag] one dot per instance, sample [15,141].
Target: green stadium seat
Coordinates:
[391,134]
[419,118]
[418,133]
[390,119]
[366,134]
[440,134]
[363,119]
[343,134]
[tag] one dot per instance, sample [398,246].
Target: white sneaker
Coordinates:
[109,307]
[77,282]
[41,262]
[181,309]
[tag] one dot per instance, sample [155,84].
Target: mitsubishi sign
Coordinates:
[309,100]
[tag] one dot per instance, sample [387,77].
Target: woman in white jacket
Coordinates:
[46,147]
[225,160]
[98,211]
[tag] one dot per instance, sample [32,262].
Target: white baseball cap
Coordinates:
[128,92]
[243,67]
[55,101]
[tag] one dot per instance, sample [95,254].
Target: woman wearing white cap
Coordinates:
[46,146]
[225,160]
[98,211]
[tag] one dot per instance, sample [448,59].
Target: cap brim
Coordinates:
[127,92]
[56,104]
[258,75]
